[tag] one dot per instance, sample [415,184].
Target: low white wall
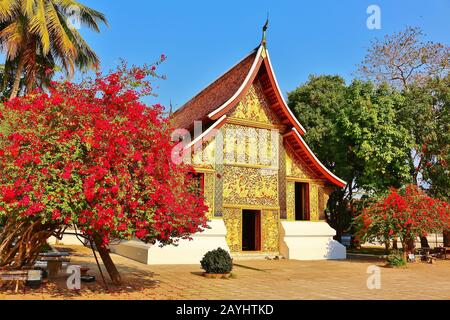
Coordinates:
[67,239]
[434,240]
[186,252]
[305,240]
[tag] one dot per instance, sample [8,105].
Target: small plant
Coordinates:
[217,261]
[396,259]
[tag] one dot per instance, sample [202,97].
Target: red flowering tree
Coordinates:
[402,214]
[91,156]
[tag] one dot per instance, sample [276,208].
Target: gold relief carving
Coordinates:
[321,205]
[296,167]
[233,221]
[269,231]
[204,155]
[326,191]
[250,186]
[209,193]
[255,107]
[313,202]
[248,145]
[290,200]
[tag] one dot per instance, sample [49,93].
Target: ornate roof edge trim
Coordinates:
[291,116]
[207,134]
[324,170]
[259,58]
[216,113]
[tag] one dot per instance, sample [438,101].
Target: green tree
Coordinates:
[427,115]
[419,68]
[34,33]
[355,131]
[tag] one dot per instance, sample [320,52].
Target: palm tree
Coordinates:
[34,33]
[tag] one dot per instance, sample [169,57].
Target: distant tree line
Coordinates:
[389,127]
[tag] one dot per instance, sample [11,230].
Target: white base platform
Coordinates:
[305,240]
[187,251]
[67,239]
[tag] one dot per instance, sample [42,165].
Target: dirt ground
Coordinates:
[262,279]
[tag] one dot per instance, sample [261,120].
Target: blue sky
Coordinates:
[202,39]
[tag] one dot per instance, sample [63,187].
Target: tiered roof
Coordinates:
[213,103]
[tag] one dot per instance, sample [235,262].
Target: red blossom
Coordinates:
[92,154]
[403,213]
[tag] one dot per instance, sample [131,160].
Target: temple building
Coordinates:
[265,189]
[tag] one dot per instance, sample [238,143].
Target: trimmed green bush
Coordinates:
[217,261]
[395,259]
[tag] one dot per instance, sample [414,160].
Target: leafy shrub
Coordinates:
[217,261]
[395,259]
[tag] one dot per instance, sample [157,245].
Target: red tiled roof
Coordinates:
[214,95]
[213,102]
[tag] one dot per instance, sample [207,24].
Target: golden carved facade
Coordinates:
[270,228]
[209,193]
[295,167]
[255,107]
[290,200]
[204,155]
[247,147]
[313,202]
[232,218]
[250,186]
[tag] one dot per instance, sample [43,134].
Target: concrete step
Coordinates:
[256,256]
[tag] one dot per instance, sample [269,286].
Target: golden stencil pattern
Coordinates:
[247,145]
[290,200]
[321,205]
[209,193]
[326,191]
[296,167]
[232,219]
[250,186]
[204,156]
[314,202]
[254,106]
[269,231]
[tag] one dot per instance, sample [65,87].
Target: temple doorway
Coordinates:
[251,230]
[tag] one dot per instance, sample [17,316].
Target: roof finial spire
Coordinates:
[264,29]
[170,108]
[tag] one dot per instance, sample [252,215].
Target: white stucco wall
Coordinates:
[68,239]
[187,251]
[305,240]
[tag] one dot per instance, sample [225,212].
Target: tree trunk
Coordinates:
[21,242]
[424,242]
[411,245]
[107,261]
[395,244]
[30,82]
[17,78]
[405,249]
[387,246]
[446,238]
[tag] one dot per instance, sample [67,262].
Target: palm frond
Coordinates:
[8,9]
[38,26]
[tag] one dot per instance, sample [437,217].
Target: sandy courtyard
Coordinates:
[264,279]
